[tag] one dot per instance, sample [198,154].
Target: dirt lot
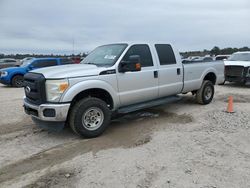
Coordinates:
[175,145]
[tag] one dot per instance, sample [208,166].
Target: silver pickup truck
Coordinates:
[113,78]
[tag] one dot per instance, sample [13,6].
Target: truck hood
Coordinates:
[69,71]
[237,63]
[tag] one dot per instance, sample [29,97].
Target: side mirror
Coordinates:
[132,65]
[31,67]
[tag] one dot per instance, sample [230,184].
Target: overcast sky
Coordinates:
[51,26]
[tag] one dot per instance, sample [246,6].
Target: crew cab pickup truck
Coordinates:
[115,78]
[237,68]
[14,75]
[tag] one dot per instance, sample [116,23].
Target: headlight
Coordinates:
[3,73]
[55,89]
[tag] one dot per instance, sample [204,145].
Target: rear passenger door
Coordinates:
[44,63]
[136,87]
[170,71]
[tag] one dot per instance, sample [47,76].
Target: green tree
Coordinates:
[215,50]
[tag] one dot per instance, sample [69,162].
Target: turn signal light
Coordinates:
[63,87]
[138,66]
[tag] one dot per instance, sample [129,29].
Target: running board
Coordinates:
[149,104]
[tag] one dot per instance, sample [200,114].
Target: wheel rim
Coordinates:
[19,82]
[93,118]
[208,93]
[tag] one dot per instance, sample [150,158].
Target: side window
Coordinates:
[143,51]
[44,63]
[208,59]
[10,61]
[165,54]
[66,61]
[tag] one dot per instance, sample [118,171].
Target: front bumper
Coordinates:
[237,79]
[47,112]
[3,81]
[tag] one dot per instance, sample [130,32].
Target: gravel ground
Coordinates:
[175,145]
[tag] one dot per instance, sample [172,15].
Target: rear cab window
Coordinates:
[165,54]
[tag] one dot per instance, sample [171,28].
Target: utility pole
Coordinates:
[73,46]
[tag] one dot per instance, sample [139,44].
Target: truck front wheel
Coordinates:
[89,117]
[206,93]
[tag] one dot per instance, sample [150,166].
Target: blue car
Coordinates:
[13,76]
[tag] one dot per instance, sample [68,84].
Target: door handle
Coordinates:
[155,74]
[178,71]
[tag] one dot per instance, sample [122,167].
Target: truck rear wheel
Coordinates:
[17,81]
[206,93]
[89,117]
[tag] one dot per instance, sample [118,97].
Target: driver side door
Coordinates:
[139,86]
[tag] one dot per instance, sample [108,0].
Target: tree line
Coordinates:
[21,56]
[214,51]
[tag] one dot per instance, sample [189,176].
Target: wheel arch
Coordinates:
[13,75]
[98,89]
[211,76]
[97,93]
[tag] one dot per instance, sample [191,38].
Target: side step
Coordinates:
[149,104]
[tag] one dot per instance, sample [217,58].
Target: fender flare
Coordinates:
[208,71]
[13,74]
[71,92]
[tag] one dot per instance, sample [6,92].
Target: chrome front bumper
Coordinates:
[47,112]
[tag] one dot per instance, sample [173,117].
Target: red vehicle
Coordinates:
[76,60]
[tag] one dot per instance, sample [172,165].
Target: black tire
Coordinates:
[78,117]
[17,81]
[206,93]
[243,83]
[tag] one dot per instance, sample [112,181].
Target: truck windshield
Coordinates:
[240,57]
[26,62]
[105,55]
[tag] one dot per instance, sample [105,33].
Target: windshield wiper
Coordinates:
[105,65]
[91,63]
[98,65]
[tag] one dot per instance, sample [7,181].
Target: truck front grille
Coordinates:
[34,88]
[234,71]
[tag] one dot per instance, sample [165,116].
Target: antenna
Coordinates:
[73,43]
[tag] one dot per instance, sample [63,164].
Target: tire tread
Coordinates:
[77,106]
[199,94]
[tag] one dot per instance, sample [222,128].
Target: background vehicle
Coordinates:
[115,78]
[222,57]
[76,59]
[237,68]
[14,75]
[198,59]
[8,62]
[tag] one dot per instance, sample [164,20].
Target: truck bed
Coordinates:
[194,72]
